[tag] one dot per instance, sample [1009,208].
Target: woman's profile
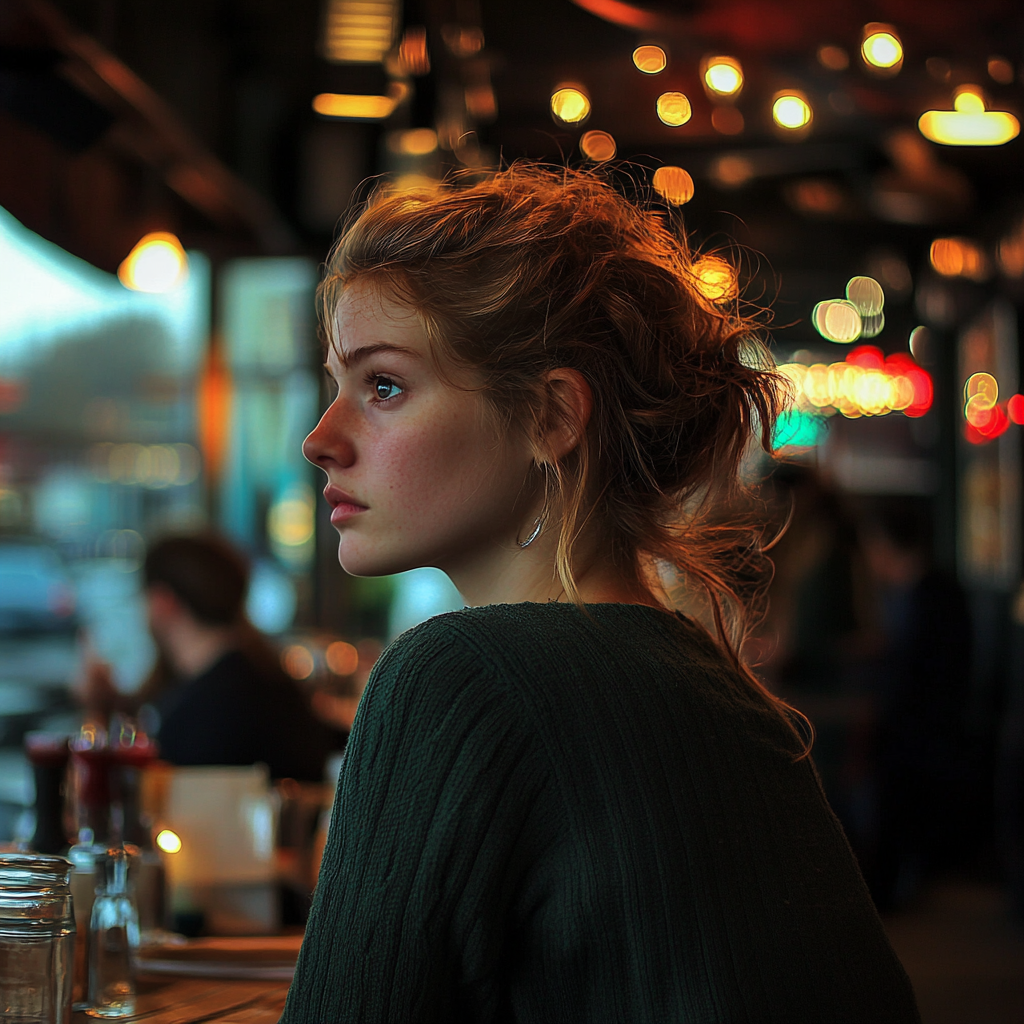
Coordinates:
[565,802]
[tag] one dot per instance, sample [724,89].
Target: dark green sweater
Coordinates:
[546,817]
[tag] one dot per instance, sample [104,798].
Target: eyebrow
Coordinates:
[351,359]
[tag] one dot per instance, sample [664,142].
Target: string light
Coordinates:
[881,48]
[723,75]
[673,109]
[791,111]
[570,104]
[673,184]
[597,146]
[650,59]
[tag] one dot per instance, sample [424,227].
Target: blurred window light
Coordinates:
[342,658]
[570,104]
[346,106]
[723,75]
[727,120]
[716,279]
[1000,70]
[835,58]
[673,109]
[413,142]
[881,47]
[157,264]
[837,320]
[866,294]
[359,31]
[597,146]
[673,184]
[791,110]
[297,661]
[650,59]
[968,123]
[959,257]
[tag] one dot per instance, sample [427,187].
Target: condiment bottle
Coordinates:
[113,940]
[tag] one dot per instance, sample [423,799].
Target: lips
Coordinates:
[343,505]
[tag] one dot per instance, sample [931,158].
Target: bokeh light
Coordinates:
[673,109]
[570,104]
[958,257]
[791,111]
[837,320]
[835,58]
[727,120]
[168,841]
[723,75]
[342,658]
[354,106]
[882,48]
[650,59]
[157,264]
[716,279]
[297,661]
[597,146]
[866,294]
[673,184]
[968,123]
[413,142]
[866,383]
[1000,70]
[1015,409]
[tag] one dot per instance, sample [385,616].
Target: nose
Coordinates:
[329,445]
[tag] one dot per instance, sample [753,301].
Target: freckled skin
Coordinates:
[440,486]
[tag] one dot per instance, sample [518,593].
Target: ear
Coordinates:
[568,404]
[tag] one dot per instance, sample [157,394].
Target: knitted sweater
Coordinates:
[545,816]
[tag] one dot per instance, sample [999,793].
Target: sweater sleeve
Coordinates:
[427,846]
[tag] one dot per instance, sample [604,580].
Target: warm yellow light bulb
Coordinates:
[157,264]
[673,184]
[597,146]
[790,110]
[724,76]
[570,104]
[650,59]
[673,109]
[882,49]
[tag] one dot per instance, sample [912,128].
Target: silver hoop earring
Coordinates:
[538,525]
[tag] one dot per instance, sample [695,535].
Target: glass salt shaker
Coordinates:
[113,941]
[37,937]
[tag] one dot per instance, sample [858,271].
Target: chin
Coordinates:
[358,559]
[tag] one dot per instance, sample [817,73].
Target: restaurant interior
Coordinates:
[172,177]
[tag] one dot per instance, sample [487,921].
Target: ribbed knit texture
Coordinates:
[547,817]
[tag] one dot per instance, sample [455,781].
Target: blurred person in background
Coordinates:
[816,634]
[922,688]
[217,694]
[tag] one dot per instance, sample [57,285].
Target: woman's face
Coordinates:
[416,473]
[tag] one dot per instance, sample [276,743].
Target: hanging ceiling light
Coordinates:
[968,123]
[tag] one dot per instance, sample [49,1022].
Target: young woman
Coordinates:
[565,802]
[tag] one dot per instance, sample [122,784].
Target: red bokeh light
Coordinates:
[1015,409]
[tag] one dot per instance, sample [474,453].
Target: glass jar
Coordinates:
[37,936]
[113,940]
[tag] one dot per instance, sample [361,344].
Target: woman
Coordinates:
[565,802]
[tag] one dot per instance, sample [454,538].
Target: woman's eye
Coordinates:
[383,389]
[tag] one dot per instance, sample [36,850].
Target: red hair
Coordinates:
[537,268]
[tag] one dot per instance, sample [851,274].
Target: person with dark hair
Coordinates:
[218,692]
[567,801]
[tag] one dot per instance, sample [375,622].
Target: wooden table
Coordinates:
[191,1000]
